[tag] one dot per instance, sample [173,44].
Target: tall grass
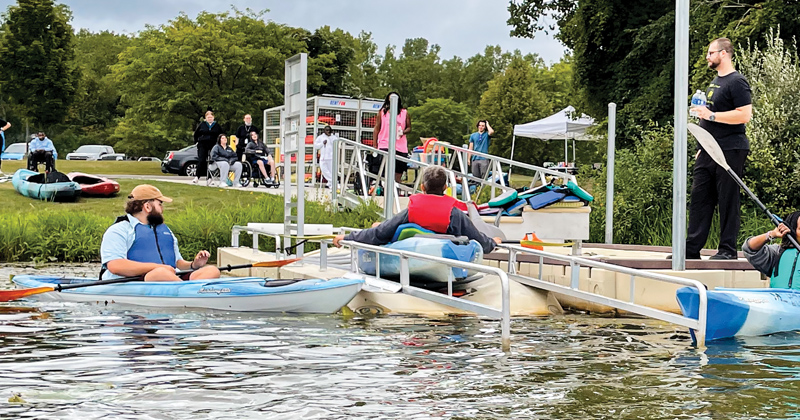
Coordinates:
[69,235]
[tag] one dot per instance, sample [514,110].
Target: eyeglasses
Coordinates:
[713,52]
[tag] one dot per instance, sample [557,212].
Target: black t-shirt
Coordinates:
[726,93]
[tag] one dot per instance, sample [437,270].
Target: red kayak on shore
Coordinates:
[94,185]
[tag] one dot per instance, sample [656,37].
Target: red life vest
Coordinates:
[431,211]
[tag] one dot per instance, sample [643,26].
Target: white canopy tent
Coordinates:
[563,125]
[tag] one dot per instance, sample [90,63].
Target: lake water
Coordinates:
[84,361]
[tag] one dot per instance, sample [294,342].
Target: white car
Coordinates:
[90,152]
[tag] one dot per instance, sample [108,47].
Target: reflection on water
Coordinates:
[84,361]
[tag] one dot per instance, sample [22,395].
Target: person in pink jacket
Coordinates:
[381,132]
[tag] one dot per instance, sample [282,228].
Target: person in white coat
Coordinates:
[324,143]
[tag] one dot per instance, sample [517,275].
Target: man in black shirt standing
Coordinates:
[4,125]
[729,109]
[243,135]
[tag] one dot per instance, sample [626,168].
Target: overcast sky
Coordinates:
[461,27]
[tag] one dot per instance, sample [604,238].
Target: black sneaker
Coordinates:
[724,256]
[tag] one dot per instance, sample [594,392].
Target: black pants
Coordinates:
[41,156]
[203,150]
[711,185]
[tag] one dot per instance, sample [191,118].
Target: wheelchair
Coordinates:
[252,174]
[213,175]
[37,158]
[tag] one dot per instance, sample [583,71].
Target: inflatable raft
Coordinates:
[54,186]
[424,242]
[93,185]
[243,294]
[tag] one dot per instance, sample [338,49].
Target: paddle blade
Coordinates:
[709,145]
[8,295]
[276,263]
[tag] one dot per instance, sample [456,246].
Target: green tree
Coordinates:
[234,64]
[442,118]
[415,73]
[514,97]
[340,50]
[37,71]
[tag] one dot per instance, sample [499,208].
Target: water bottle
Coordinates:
[698,99]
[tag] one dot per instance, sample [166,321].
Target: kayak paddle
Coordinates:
[8,295]
[711,147]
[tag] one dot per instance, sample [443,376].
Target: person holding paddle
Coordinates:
[140,244]
[432,210]
[729,109]
[778,261]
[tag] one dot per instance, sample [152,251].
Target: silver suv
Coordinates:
[90,152]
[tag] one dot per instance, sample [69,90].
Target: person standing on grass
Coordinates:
[324,143]
[479,141]
[729,109]
[4,125]
[205,136]
[243,135]
[140,244]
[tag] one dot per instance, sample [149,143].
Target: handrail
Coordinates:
[345,166]
[504,314]
[461,156]
[698,325]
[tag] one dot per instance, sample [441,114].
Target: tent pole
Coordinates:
[566,149]
[573,151]
[513,142]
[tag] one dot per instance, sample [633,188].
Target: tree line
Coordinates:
[144,93]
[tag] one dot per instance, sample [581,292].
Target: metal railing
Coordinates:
[575,264]
[350,164]
[459,162]
[503,314]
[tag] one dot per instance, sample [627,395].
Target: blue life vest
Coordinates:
[153,245]
[786,274]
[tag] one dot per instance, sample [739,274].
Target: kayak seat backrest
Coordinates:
[410,230]
[542,200]
[505,199]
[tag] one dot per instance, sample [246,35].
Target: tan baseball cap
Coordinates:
[148,192]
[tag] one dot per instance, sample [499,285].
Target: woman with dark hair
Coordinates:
[227,160]
[381,132]
[257,153]
[779,261]
[206,133]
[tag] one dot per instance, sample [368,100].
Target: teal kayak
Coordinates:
[54,186]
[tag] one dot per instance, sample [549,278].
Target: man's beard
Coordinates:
[155,219]
[713,65]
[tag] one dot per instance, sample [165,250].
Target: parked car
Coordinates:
[14,151]
[182,162]
[149,159]
[18,151]
[90,152]
[113,156]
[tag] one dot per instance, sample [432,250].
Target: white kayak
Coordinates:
[243,294]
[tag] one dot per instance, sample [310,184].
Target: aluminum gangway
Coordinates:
[350,164]
[510,274]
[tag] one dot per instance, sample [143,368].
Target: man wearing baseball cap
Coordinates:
[140,244]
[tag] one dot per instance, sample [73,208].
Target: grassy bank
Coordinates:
[122,167]
[200,217]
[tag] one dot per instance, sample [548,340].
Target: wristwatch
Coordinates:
[713,116]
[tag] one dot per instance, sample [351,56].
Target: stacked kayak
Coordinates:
[744,312]
[421,270]
[54,186]
[243,294]
[93,185]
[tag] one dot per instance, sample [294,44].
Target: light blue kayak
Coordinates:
[243,294]
[420,270]
[744,312]
[32,184]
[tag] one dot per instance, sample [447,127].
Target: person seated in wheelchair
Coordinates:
[258,155]
[227,161]
[41,151]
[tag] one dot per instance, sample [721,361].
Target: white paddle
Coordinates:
[711,147]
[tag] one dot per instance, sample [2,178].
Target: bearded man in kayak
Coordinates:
[140,244]
[779,261]
[432,210]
